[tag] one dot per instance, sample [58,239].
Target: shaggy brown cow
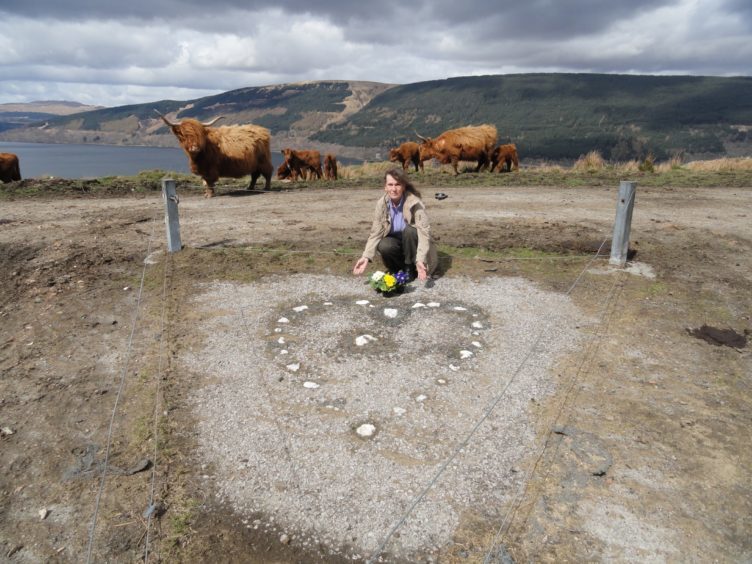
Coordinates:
[10,171]
[284,172]
[330,167]
[408,152]
[232,150]
[302,161]
[505,155]
[472,143]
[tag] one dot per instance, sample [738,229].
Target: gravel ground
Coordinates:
[329,441]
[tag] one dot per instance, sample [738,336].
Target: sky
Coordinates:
[138,51]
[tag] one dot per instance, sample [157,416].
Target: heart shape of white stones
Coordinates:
[326,408]
[294,324]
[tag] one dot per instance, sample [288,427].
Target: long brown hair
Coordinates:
[403,179]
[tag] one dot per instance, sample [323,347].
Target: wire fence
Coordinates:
[154,506]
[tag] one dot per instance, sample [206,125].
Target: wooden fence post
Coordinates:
[172,221]
[623,223]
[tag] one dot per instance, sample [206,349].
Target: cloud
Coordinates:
[139,51]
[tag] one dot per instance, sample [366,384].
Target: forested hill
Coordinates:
[565,115]
[549,116]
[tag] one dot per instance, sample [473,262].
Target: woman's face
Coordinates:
[393,188]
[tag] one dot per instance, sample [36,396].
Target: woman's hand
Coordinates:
[360,266]
[422,271]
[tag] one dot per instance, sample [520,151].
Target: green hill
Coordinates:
[558,116]
[548,116]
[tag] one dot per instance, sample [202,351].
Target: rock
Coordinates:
[364,339]
[366,430]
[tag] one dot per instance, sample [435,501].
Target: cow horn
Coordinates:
[212,122]
[420,136]
[164,119]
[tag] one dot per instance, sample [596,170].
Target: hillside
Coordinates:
[559,116]
[548,116]
[19,115]
[293,112]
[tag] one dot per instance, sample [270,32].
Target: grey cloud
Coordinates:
[541,17]
[88,47]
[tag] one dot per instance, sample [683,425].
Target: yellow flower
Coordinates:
[390,281]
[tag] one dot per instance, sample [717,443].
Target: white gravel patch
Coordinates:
[342,462]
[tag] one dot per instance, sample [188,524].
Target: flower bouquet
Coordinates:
[388,283]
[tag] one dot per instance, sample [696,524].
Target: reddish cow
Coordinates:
[330,167]
[505,156]
[284,172]
[302,161]
[408,152]
[232,151]
[10,171]
[472,143]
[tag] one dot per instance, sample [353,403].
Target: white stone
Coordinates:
[441,381]
[281,340]
[477,325]
[328,303]
[399,410]
[277,330]
[300,308]
[283,351]
[366,430]
[476,344]
[433,304]
[390,312]
[416,305]
[364,340]
[362,302]
[283,320]
[453,368]
[295,366]
[466,354]
[460,308]
[310,385]
[421,397]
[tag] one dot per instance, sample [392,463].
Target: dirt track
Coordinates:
[640,453]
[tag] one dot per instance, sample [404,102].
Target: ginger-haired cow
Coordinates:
[228,151]
[330,167]
[284,172]
[10,171]
[408,152]
[471,143]
[504,157]
[301,162]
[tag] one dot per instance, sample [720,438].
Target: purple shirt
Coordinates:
[398,219]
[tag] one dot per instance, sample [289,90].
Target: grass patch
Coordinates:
[180,521]
[510,253]
[589,170]
[658,289]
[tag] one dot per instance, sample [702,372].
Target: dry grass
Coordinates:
[365,170]
[726,164]
[629,167]
[591,162]
[553,168]
[674,163]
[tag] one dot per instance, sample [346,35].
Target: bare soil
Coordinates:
[642,452]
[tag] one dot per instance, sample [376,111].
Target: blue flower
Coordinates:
[402,277]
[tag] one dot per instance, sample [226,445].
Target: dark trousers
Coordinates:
[398,250]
